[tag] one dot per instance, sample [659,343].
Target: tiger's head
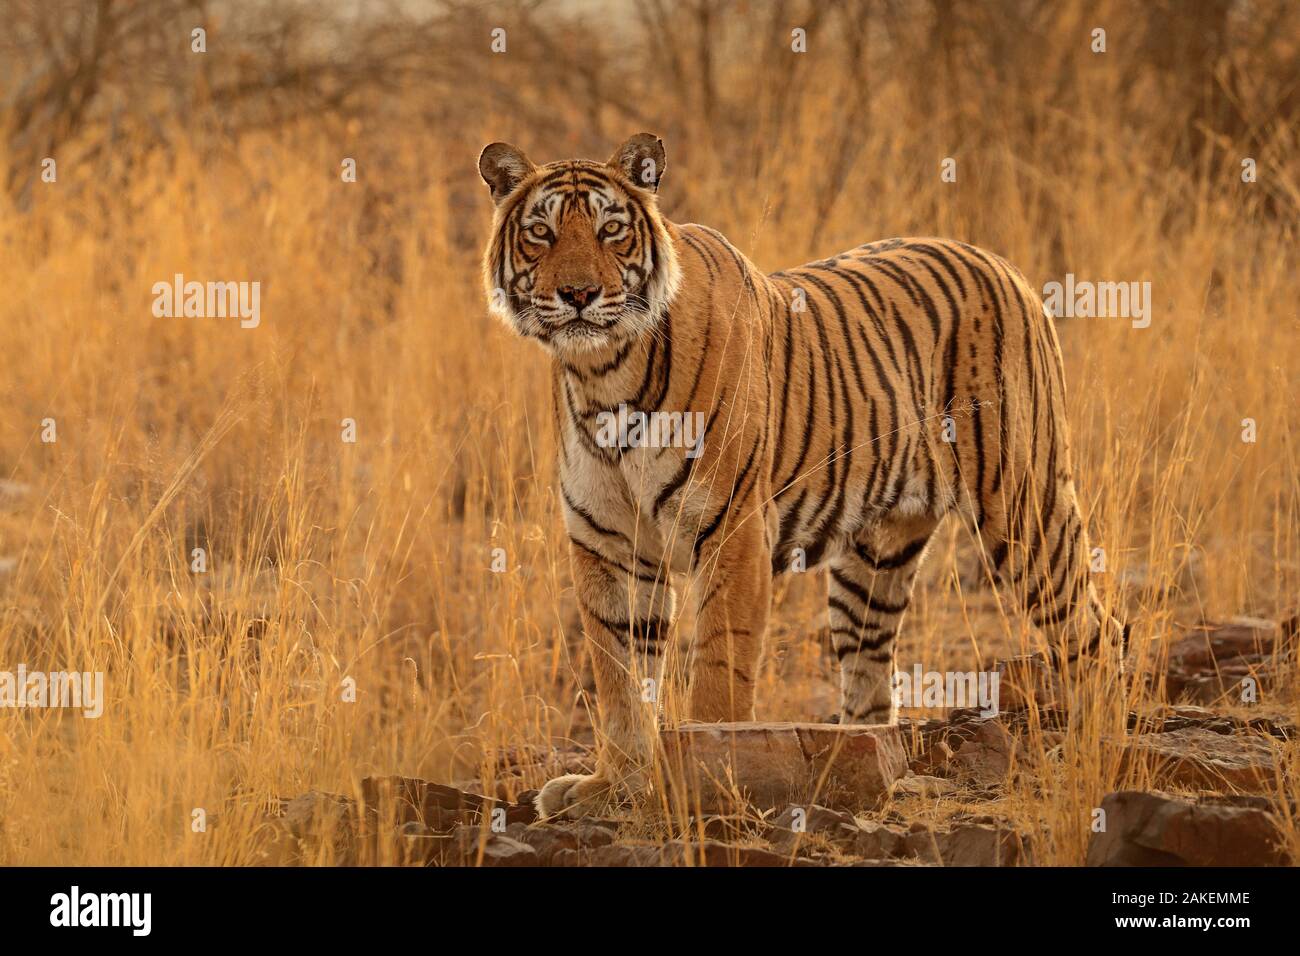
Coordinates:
[579,257]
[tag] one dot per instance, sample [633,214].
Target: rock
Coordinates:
[1213,661]
[610,856]
[987,756]
[549,839]
[988,744]
[1155,829]
[1189,713]
[880,863]
[1025,680]
[876,841]
[676,853]
[722,854]
[477,848]
[727,827]
[796,824]
[1228,684]
[1208,644]
[986,842]
[922,786]
[422,845]
[1199,758]
[1188,716]
[773,764]
[516,760]
[933,758]
[981,845]
[813,819]
[436,805]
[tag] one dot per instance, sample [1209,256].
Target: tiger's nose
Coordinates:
[577,297]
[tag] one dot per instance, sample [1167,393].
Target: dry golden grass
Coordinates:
[370,561]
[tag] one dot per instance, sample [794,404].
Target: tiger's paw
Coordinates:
[575,795]
[868,717]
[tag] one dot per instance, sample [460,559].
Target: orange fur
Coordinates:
[850,404]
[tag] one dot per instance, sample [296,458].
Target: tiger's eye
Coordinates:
[539,230]
[611,228]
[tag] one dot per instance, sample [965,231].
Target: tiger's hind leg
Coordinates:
[1039,554]
[870,589]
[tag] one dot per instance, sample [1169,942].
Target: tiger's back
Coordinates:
[931,373]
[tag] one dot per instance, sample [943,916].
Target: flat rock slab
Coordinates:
[1208,645]
[1224,661]
[1156,829]
[775,764]
[1198,758]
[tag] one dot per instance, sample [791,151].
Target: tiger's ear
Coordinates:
[642,160]
[503,167]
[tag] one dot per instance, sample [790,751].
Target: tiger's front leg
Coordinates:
[734,588]
[627,611]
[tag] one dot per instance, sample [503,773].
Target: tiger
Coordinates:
[848,406]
